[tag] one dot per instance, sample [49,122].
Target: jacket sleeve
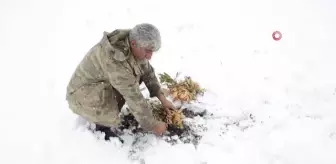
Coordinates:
[150,80]
[124,81]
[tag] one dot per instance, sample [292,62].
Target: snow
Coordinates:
[288,86]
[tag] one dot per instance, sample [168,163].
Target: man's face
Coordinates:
[141,53]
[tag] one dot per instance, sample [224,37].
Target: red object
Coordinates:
[277,35]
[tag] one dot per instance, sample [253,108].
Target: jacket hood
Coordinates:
[117,43]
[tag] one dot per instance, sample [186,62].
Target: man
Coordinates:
[110,74]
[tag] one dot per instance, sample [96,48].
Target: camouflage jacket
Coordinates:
[111,60]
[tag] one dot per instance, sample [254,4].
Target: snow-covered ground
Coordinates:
[288,86]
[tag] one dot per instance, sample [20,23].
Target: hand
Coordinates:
[168,105]
[160,128]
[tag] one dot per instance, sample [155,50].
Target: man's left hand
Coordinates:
[168,105]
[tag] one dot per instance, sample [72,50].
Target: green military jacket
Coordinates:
[111,61]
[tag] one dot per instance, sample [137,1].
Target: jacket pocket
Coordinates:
[92,96]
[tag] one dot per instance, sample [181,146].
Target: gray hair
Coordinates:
[146,36]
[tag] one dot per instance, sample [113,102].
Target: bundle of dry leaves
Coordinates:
[172,117]
[184,91]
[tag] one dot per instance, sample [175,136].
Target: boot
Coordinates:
[108,132]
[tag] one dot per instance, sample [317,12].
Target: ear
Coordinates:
[133,43]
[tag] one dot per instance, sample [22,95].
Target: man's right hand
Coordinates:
[160,128]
